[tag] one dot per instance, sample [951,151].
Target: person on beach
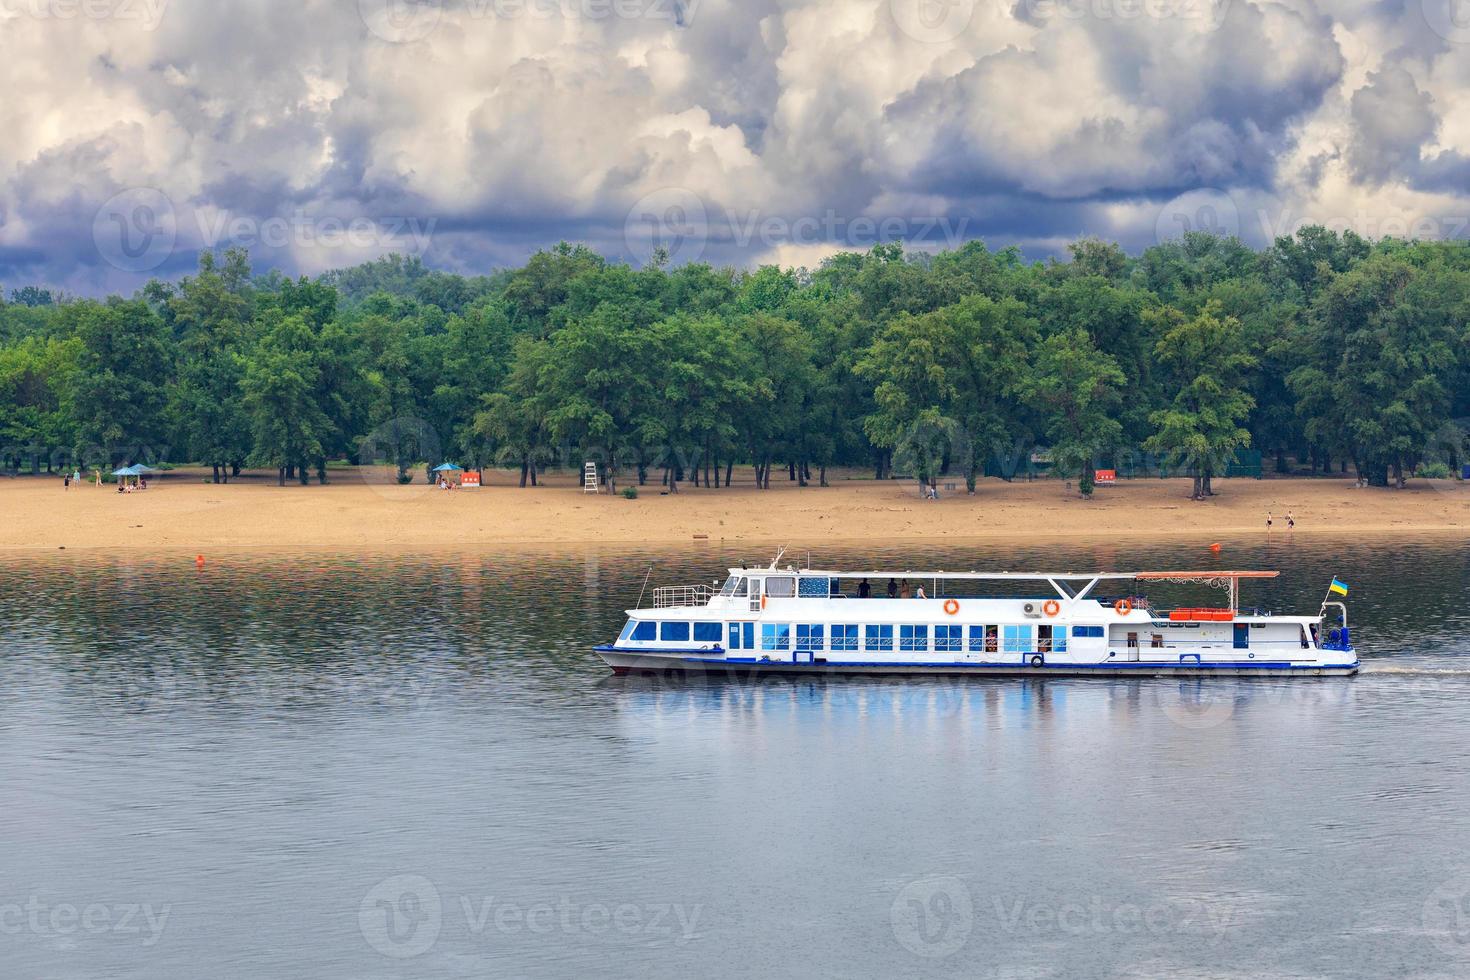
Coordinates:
[66,482]
[1268,520]
[865,590]
[892,589]
[1290,521]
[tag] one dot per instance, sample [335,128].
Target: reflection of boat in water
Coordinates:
[806,621]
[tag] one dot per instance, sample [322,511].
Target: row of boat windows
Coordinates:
[845,636]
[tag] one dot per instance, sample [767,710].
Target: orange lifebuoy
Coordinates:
[763,602]
[1123,607]
[1052,607]
[951,607]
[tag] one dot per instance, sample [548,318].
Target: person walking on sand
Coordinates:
[1268,520]
[1290,522]
[66,482]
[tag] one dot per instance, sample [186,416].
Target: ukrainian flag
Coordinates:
[1338,587]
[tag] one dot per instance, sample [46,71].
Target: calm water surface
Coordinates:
[390,767]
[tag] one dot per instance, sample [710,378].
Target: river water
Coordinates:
[322,766]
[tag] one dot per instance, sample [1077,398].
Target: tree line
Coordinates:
[1324,351]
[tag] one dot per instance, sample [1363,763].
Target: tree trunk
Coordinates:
[525,471]
[822,482]
[321,470]
[281,476]
[729,468]
[216,472]
[533,474]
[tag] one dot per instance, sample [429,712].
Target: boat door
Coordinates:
[1242,636]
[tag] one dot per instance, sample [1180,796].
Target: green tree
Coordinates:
[1205,360]
[1078,389]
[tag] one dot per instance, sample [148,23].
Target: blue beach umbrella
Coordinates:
[447,468]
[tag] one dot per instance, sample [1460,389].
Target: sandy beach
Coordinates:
[362,509]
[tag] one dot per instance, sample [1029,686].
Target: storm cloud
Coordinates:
[320,133]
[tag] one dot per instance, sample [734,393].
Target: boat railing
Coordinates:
[668,596]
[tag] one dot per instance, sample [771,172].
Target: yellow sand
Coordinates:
[362,509]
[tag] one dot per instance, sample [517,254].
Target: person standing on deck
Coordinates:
[865,590]
[893,588]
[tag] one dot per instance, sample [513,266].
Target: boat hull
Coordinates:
[637,662]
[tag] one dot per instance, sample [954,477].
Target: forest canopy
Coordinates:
[1324,352]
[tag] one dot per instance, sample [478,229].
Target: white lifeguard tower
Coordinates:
[589,478]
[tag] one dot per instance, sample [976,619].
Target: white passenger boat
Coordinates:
[880,622]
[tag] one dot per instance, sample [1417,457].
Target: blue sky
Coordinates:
[321,133]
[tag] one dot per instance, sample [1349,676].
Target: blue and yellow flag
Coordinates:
[1338,587]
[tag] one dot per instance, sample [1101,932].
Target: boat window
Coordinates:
[706,632]
[844,637]
[674,632]
[781,586]
[730,584]
[742,636]
[627,633]
[815,588]
[775,636]
[949,639]
[1093,632]
[810,637]
[1017,639]
[913,638]
[646,631]
[879,637]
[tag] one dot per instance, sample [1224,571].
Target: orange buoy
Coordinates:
[1215,547]
[1123,607]
[1052,607]
[199,560]
[951,607]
